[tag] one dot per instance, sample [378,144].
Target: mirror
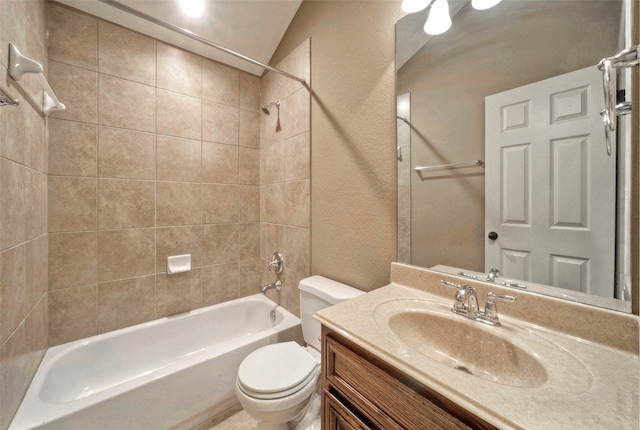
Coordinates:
[466,87]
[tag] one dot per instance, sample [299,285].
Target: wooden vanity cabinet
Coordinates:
[363,392]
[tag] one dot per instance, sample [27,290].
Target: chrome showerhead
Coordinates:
[267,108]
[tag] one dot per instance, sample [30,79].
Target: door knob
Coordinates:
[493,235]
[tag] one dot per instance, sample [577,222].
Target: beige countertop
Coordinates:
[589,384]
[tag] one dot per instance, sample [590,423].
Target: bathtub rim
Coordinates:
[48,412]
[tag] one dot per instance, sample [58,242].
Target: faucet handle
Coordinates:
[450,284]
[460,300]
[490,315]
[493,274]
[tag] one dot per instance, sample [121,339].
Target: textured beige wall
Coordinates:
[353,134]
[23,209]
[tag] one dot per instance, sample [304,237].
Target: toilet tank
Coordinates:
[316,293]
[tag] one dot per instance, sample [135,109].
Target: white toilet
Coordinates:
[278,384]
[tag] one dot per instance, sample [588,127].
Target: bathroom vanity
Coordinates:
[398,358]
[363,392]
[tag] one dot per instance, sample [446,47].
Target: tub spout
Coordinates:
[277,285]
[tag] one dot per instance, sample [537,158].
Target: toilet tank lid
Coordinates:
[328,289]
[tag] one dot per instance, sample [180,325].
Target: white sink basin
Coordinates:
[506,355]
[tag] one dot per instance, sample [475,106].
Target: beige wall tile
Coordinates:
[178,203]
[125,303]
[297,203]
[36,148]
[12,204]
[297,157]
[13,138]
[178,241]
[248,203]
[297,249]
[35,189]
[73,37]
[179,115]
[117,109]
[250,128]
[179,159]
[72,203]
[126,54]
[219,244]
[72,314]
[126,154]
[77,89]
[274,196]
[73,148]
[274,163]
[290,292]
[36,272]
[249,241]
[125,203]
[219,283]
[219,163]
[179,70]
[273,239]
[125,254]
[20,356]
[220,83]
[15,298]
[73,259]
[249,92]
[296,113]
[250,281]
[219,123]
[177,293]
[219,203]
[248,166]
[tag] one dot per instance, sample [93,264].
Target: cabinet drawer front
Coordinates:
[381,397]
[338,417]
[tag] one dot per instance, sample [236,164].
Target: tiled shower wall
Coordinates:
[285,190]
[157,154]
[23,209]
[160,153]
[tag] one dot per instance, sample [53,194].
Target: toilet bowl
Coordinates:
[278,384]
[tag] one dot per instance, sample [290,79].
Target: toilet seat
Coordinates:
[277,370]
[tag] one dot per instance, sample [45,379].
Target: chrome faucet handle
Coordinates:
[277,263]
[460,300]
[493,274]
[490,315]
[465,301]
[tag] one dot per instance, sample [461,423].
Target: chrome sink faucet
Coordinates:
[493,274]
[466,303]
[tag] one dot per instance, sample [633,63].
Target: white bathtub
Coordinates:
[171,373]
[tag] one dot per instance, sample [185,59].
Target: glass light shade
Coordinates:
[192,8]
[438,20]
[484,4]
[412,6]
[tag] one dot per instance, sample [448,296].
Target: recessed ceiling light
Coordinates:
[192,8]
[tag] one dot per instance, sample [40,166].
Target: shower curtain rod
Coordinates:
[200,39]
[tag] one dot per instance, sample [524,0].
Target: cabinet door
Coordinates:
[338,417]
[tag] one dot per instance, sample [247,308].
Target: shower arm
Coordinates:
[192,35]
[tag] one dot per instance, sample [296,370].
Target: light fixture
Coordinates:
[484,4]
[412,6]
[438,20]
[192,8]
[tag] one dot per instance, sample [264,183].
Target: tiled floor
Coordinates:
[237,421]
